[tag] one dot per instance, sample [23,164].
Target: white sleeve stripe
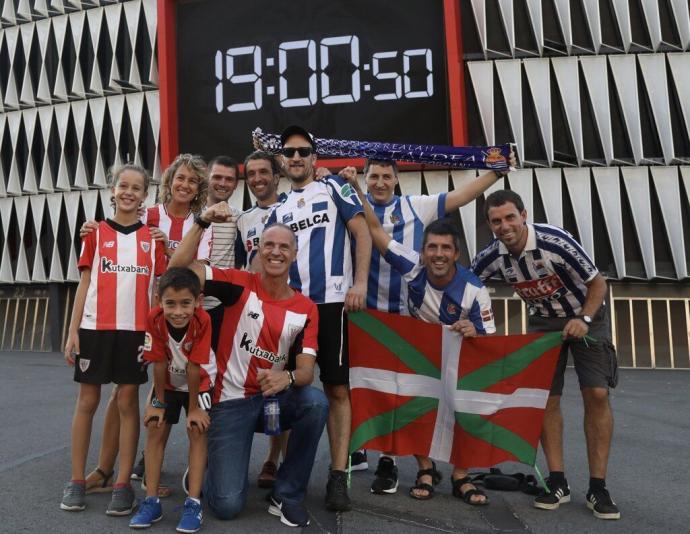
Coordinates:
[209,272]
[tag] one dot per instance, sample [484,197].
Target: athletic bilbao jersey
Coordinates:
[551,274]
[404,219]
[465,297]
[195,346]
[250,225]
[123,261]
[257,332]
[318,214]
[176,228]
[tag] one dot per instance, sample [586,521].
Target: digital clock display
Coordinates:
[344,69]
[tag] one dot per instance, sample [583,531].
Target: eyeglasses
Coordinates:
[303,151]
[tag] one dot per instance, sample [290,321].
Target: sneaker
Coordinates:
[337,499]
[73,497]
[599,501]
[139,470]
[358,461]
[386,480]
[559,494]
[192,516]
[267,476]
[292,515]
[123,501]
[150,511]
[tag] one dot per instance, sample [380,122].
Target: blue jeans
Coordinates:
[233,423]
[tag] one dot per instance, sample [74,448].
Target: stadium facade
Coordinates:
[596,95]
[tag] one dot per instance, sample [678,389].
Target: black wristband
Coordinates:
[501,174]
[202,223]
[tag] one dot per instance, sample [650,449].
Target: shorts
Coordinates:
[595,362]
[332,356]
[110,356]
[176,400]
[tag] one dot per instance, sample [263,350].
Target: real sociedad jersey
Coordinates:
[550,275]
[175,228]
[195,346]
[257,332]
[250,225]
[124,261]
[318,214]
[465,297]
[404,218]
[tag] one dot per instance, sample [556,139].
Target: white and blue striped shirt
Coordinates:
[465,297]
[404,219]
[550,275]
[318,214]
[250,226]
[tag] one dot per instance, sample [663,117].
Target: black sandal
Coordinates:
[467,496]
[105,485]
[429,488]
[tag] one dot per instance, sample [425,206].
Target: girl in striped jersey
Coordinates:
[118,263]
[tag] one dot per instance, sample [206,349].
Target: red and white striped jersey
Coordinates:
[176,228]
[257,332]
[195,347]
[124,261]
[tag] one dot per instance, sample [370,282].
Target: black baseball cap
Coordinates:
[297,130]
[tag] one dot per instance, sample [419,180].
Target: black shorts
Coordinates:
[595,362]
[332,356]
[110,356]
[176,400]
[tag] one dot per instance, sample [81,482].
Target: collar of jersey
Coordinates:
[392,201]
[530,245]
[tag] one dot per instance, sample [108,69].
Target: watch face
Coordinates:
[369,70]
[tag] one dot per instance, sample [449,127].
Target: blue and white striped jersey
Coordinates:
[404,219]
[550,275]
[250,225]
[465,297]
[318,214]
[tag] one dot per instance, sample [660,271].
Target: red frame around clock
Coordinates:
[167,75]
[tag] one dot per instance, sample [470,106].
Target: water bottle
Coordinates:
[271,416]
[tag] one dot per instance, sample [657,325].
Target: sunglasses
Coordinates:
[303,151]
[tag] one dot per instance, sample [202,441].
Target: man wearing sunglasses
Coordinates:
[324,215]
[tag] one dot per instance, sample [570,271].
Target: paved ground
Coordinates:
[649,469]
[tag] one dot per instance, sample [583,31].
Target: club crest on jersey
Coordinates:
[394,218]
[252,232]
[540,269]
[187,346]
[264,219]
[452,309]
[84,364]
[148,341]
[301,203]
[287,218]
[109,244]
[346,190]
[145,246]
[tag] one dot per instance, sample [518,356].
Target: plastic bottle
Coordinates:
[271,416]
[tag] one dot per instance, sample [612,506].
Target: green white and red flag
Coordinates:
[419,388]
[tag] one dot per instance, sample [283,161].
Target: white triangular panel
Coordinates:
[90,202]
[237,197]
[38,203]
[116,107]
[14,185]
[97,110]
[61,120]
[27,90]
[45,114]
[410,183]
[567,73]
[681,11]
[580,190]
[43,89]
[624,72]
[653,68]
[534,9]
[21,273]
[650,8]
[29,185]
[54,201]
[563,14]
[680,71]
[105,195]
[60,31]
[468,212]
[112,18]
[479,10]
[79,110]
[622,10]
[508,17]
[551,191]
[609,191]
[539,78]
[521,182]
[11,100]
[636,181]
[482,76]
[591,8]
[6,275]
[596,78]
[72,206]
[668,191]
[135,108]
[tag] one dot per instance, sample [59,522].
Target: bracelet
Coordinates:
[501,174]
[202,223]
[291,377]
[158,404]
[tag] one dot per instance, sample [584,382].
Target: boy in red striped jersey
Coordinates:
[118,263]
[178,342]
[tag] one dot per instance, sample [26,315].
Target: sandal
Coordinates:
[267,477]
[429,488]
[163,490]
[467,495]
[104,485]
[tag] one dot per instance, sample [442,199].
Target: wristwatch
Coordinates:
[158,404]
[586,318]
[202,223]
[291,377]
